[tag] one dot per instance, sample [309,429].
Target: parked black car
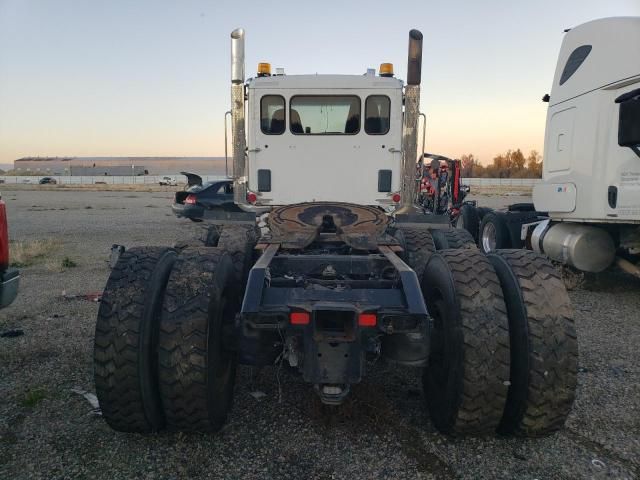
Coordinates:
[198,197]
[48,181]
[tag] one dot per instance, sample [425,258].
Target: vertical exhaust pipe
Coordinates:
[410,124]
[238,139]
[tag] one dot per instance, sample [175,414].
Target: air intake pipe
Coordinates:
[410,123]
[238,139]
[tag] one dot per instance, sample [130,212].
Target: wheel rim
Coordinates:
[489,237]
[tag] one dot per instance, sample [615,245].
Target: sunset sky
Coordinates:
[119,77]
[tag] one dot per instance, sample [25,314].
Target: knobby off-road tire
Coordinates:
[207,235]
[466,381]
[210,235]
[196,371]
[469,219]
[239,241]
[125,360]
[544,347]
[453,238]
[419,246]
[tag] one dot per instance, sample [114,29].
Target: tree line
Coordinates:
[512,164]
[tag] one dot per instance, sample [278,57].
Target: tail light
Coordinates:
[396,198]
[252,198]
[4,237]
[191,199]
[367,319]
[299,318]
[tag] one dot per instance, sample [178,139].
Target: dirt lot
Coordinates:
[47,431]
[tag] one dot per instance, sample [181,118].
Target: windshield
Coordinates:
[325,115]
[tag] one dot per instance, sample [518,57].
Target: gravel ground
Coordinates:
[383,431]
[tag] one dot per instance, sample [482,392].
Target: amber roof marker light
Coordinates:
[386,69]
[264,69]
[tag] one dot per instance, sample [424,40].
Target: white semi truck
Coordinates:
[345,268]
[586,210]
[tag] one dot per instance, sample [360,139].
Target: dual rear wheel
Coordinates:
[160,354]
[503,343]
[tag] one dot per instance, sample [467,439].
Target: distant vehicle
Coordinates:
[586,210]
[26,180]
[169,181]
[2,180]
[9,277]
[48,181]
[199,197]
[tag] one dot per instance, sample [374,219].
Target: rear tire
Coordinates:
[239,241]
[454,238]
[196,372]
[210,235]
[544,347]
[125,361]
[465,383]
[206,235]
[419,247]
[494,233]
[469,220]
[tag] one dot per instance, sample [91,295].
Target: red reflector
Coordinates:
[191,199]
[252,197]
[299,318]
[396,198]
[367,319]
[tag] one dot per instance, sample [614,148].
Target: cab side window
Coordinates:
[577,57]
[272,115]
[377,115]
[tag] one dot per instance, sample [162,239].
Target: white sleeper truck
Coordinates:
[327,265]
[586,210]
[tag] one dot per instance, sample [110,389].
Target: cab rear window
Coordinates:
[324,114]
[377,114]
[272,115]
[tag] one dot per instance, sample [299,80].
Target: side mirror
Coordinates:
[629,120]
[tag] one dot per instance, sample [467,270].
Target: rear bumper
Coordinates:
[9,281]
[330,345]
[187,211]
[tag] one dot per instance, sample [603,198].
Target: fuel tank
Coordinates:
[586,247]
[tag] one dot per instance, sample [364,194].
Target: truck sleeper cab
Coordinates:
[586,210]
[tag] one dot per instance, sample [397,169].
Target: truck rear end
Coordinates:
[330,293]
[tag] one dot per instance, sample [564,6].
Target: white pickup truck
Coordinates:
[169,182]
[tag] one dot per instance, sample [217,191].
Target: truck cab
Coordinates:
[324,138]
[589,172]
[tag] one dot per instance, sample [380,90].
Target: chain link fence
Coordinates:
[155,180]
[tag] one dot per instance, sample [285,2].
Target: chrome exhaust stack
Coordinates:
[238,139]
[410,123]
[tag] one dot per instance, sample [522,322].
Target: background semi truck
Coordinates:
[328,265]
[586,211]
